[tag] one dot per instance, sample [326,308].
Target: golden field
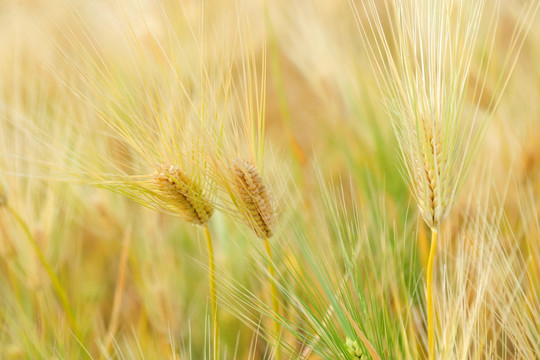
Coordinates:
[257,179]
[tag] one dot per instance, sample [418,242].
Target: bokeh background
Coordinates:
[136,279]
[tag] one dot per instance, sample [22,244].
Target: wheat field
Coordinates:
[256,179]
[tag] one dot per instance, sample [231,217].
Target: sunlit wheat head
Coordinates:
[431,63]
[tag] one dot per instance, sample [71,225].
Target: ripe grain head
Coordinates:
[253,198]
[184,194]
[425,59]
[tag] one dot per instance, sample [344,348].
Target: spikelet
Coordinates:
[354,349]
[256,205]
[184,194]
[431,189]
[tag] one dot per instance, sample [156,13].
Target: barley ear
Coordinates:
[256,205]
[187,197]
[184,194]
[431,178]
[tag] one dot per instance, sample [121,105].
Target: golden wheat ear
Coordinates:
[255,200]
[184,194]
[255,204]
[187,197]
[430,185]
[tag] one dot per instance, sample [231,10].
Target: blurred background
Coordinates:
[136,279]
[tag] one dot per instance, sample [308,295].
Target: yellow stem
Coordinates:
[213,292]
[56,283]
[275,302]
[423,243]
[430,310]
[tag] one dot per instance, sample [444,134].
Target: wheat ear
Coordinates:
[187,197]
[433,201]
[184,194]
[256,207]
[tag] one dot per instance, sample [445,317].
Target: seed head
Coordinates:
[430,186]
[425,86]
[255,202]
[184,194]
[354,349]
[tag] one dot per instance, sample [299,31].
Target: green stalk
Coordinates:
[430,310]
[275,302]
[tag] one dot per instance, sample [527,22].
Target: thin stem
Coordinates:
[213,291]
[56,283]
[430,310]
[275,302]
